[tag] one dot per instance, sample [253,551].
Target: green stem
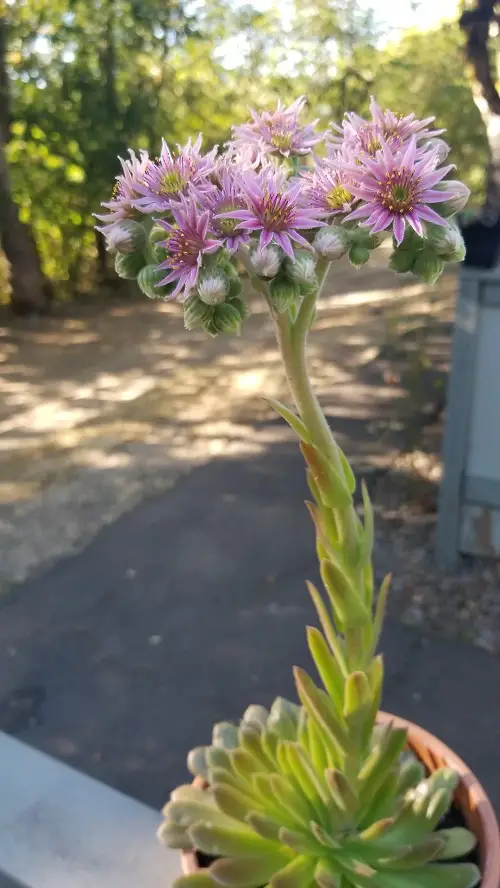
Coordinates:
[292,341]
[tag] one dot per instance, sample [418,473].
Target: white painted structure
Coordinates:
[469,508]
[62,829]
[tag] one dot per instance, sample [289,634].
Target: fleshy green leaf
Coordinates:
[331,486]
[458,842]
[368,534]
[190,793]
[201,879]
[296,424]
[378,620]
[348,472]
[173,836]
[328,669]
[197,763]
[320,709]
[299,873]
[380,761]
[231,801]
[186,813]
[346,602]
[344,795]
[255,714]
[219,842]
[331,636]
[263,825]
[217,757]
[247,872]
[226,735]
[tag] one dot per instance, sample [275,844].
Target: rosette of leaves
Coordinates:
[298,797]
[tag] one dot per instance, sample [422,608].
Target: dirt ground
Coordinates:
[105,404]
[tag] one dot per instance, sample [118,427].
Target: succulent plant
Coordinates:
[288,802]
[319,794]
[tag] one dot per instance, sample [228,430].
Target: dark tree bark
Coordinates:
[103,273]
[475,24]
[31,292]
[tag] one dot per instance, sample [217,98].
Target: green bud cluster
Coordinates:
[426,257]
[321,794]
[361,244]
[296,278]
[148,278]
[217,306]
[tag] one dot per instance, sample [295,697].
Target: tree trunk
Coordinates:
[30,291]
[475,24]
[101,258]
[491,120]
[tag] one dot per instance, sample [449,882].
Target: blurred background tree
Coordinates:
[81,81]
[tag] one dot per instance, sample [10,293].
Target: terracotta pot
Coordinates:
[470,797]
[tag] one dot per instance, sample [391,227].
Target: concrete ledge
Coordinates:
[62,829]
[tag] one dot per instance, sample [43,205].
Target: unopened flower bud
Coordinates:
[225,319]
[148,279]
[458,196]
[157,234]
[402,260]
[427,266]
[266,261]
[302,270]
[283,293]
[330,242]
[358,255]
[128,265]
[378,238]
[213,286]
[446,241]
[195,312]
[127,237]
[441,147]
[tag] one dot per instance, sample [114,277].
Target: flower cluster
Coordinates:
[267,197]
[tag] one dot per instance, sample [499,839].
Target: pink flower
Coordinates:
[121,206]
[362,137]
[172,173]
[187,242]
[221,201]
[278,131]
[327,188]
[396,188]
[275,207]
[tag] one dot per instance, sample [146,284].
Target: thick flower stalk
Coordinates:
[316,793]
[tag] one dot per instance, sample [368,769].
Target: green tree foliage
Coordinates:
[427,72]
[89,79]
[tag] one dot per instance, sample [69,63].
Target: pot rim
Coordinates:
[471,797]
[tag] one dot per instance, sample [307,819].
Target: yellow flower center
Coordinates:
[399,190]
[337,197]
[172,182]
[282,140]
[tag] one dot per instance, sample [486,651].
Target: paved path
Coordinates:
[118,659]
[104,405]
